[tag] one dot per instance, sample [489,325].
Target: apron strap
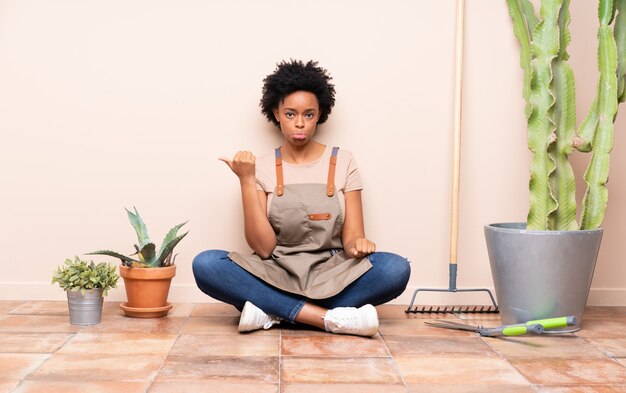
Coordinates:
[330,184]
[280,183]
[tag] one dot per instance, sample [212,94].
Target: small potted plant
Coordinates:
[147,276]
[86,284]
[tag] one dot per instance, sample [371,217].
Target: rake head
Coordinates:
[453,310]
[490,309]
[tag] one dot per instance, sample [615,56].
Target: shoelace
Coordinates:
[346,322]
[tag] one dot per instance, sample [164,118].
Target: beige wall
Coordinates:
[107,104]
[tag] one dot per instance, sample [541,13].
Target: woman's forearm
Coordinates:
[353,237]
[258,231]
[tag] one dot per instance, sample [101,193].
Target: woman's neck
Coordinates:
[302,154]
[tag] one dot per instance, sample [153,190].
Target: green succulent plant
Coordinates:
[82,275]
[551,110]
[147,256]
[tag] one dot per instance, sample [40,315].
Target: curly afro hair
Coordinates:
[293,76]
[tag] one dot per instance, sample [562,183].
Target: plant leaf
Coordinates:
[169,248]
[147,255]
[169,237]
[140,227]
[114,254]
[597,173]
[541,125]
[619,32]
[562,180]
[524,21]
[588,128]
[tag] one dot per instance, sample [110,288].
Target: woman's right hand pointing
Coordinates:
[242,165]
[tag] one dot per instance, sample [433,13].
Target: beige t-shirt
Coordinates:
[347,176]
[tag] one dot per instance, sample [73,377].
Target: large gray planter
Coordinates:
[541,274]
[85,309]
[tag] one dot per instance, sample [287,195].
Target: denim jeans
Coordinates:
[222,279]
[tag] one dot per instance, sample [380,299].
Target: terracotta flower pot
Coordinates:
[147,290]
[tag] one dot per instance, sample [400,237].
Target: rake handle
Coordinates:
[456,156]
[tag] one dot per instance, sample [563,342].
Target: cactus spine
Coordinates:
[549,92]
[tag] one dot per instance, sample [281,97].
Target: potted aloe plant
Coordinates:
[147,273]
[544,267]
[86,284]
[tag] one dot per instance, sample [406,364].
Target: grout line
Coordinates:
[152,380]
[505,359]
[586,339]
[394,364]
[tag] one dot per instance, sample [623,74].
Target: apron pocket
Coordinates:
[291,226]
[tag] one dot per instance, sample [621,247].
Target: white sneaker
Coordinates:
[253,318]
[361,321]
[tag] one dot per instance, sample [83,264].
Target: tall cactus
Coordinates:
[549,92]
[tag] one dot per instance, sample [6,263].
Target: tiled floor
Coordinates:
[197,349]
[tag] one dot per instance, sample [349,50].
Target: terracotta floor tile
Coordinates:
[562,346]
[6,306]
[449,388]
[8,386]
[484,321]
[120,343]
[606,328]
[205,368]
[398,311]
[32,342]
[178,309]
[571,371]
[581,389]
[221,326]
[215,310]
[214,325]
[613,347]
[459,370]
[288,329]
[226,345]
[333,346]
[111,308]
[424,345]
[18,365]
[342,388]
[339,370]
[37,324]
[213,386]
[98,367]
[123,324]
[181,310]
[416,327]
[83,387]
[41,307]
